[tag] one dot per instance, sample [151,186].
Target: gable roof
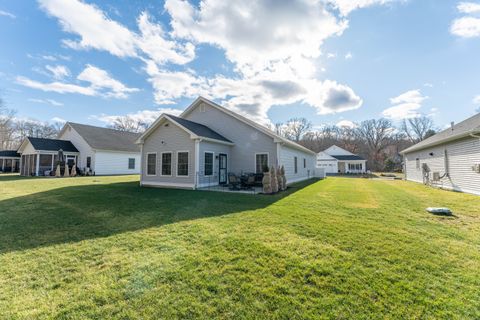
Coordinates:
[106,139]
[460,130]
[334,148]
[198,129]
[9,154]
[248,122]
[348,157]
[51,144]
[323,156]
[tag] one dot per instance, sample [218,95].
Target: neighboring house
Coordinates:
[450,159]
[9,161]
[39,155]
[207,141]
[103,151]
[336,160]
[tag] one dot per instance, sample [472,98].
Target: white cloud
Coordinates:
[428,85]
[47,101]
[58,72]
[405,105]
[346,124]
[97,31]
[468,7]
[348,56]
[331,55]
[476,100]
[466,27]
[58,119]
[7,14]
[101,84]
[347,6]
[146,116]
[56,86]
[275,47]
[101,81]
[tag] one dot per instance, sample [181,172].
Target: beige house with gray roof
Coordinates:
[207,142]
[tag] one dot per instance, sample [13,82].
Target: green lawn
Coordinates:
[342,248]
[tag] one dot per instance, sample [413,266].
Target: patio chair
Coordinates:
[249,181]
[233,182]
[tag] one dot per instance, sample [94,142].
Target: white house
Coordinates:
[450,159]
[336,160]
[207,142]
[102,151]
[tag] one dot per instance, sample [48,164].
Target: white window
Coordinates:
[182,163]
[166,164]
[417,163]
[131,163]
[208,164]
[295,164]
[304,163]
[151,164]
[261,162]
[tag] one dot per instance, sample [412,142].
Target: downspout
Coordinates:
[197,163]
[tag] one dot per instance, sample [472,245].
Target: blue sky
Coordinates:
[331,61]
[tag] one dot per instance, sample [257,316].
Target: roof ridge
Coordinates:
[104,128]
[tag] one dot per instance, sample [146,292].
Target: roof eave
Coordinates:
[433,144]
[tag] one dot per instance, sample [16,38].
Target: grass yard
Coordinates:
[342,248]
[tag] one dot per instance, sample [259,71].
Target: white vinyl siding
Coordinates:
[287,156]
[112,163]
[462,156]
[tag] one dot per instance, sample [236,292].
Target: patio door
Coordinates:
[222,168]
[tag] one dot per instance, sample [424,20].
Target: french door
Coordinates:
[222,168]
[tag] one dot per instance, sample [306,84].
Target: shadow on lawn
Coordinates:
[77,213]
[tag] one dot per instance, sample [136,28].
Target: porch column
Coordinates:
[37,167]
[197,163]
[53,158]
[3,165]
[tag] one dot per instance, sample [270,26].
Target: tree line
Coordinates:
[379,141]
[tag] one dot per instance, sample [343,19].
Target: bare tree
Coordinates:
[127,123]
[376,134]
[417,129]
[296,128]
[7,131]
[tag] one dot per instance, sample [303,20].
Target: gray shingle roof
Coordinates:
[52,144]
[348,157]
[199,129]
[460,130]
[107,139]
[9,153]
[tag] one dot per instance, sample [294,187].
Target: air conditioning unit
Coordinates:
[436,176]
[476,168]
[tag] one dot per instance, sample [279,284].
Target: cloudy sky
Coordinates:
[331,61]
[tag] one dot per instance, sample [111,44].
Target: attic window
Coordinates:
[167,124]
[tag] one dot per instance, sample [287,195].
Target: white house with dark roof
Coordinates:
[450,159]
[336,160]
[207,142]
[102,151]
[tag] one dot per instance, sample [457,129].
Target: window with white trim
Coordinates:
[131,163]
[208,164]
[166,164]
[417,161]
[295,164]
[151,164]
[261,162]
[304,163]
[182,164]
